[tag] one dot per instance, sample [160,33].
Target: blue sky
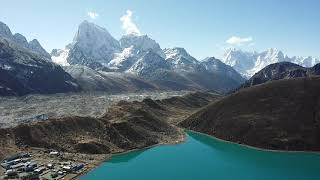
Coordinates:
[203,27]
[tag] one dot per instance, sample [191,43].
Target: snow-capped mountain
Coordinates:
[20,40]
[142,43]
[141,56]
[134,47]
[148,64]
[214,65]
[305,61]
[92,46]
[181,60]
[249,63]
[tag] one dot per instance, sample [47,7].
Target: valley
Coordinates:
[165,90]
[94,104]
[125,126]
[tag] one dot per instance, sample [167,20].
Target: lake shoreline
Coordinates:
[182,140]
[208,157]
[252,147]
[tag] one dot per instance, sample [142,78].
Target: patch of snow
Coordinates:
[61,57]
[72,83]
[6,67]
[119,58]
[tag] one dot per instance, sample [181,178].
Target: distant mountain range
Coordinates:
[96,61]
[140,57]
[249,63]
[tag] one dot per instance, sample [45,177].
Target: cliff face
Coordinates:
[125,126]
[282,115]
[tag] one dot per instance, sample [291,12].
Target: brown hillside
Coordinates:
[282,115]
[125,126]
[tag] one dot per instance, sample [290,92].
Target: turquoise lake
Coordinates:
[204,158]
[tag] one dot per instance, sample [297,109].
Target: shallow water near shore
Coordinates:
[205,158]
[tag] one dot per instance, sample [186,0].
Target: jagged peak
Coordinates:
[141,43]
[176,49]
[179,53]
[90,31]
[5,30]
[208,59]
[20,39]
[135,35]
[136,39]
[87,24]
[35,42]
[35,46]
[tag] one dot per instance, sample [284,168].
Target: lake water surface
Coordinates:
[204,158]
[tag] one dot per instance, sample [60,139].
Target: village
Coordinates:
[43,164]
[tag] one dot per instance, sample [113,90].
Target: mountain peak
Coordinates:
[90,25]
[92,44]
[92,32]
[179,55]
[141,43]
[207,59]
[176,52]
[148,64]
[216,66]
[34,42]
[275,52]
[5,30]
[35,46]
[179,50]
[20,39]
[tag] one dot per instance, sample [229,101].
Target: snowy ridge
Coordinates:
[142,43]
[181,60]
[20,40]
[179,55]
[249,63]
[148,64]
[134,47]
[123,59]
